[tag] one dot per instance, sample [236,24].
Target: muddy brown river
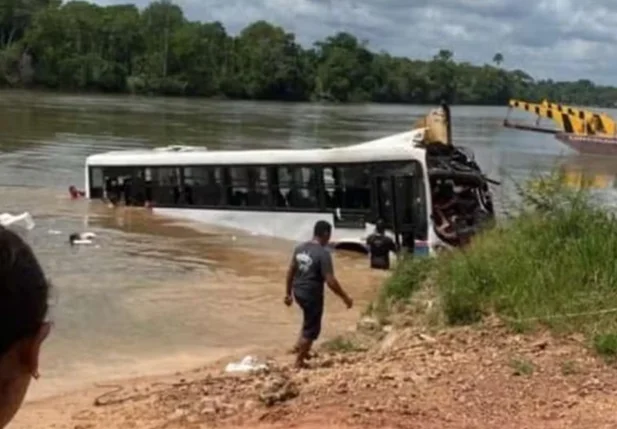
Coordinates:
[154,295]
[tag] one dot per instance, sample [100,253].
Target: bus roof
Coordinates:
[392,148]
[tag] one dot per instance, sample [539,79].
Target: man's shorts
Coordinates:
[312,310]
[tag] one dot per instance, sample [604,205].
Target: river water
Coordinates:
[154,296]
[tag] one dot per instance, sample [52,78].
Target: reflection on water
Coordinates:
[155,295]
[595,174]
[585,171]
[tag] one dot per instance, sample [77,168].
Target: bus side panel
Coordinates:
[295,226]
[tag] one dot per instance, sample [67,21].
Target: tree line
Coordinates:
[81,46]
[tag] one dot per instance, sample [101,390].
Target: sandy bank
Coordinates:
[458,378]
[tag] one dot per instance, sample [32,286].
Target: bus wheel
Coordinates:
[351,247]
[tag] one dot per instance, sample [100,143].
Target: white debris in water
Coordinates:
[82,242]
[54,232]
[84,238]
[248,364]
[23,220]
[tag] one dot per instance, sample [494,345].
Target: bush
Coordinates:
[554,263]
[409,275]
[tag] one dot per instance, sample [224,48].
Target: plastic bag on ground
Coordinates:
[248,364]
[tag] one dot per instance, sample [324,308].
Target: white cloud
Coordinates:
[559,39]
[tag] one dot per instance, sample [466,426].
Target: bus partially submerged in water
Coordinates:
[283,192]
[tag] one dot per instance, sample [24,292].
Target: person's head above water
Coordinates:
[322,232]
[73,238]
[380,226]
[24,294]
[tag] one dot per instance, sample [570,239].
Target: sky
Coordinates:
[557,39]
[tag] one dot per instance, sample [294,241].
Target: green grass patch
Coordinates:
[606,345]
[521,366]
[341,344]
[554,263]
[569,367]
[409,275]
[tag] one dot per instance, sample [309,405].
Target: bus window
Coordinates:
[237,191]
[121,184]
[148,184]
[257,183]
[203,186]
[347,187]
[298,187]
[166,185]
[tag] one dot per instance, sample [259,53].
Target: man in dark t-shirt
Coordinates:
[311,266]
[380,246]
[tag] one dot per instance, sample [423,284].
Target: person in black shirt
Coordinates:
[380,246]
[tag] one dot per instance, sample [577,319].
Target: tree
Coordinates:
[344,69]
[82,46]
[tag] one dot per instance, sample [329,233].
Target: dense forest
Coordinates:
[81,46]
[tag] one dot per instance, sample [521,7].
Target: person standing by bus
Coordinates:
[24,294]
[380,246]
[311,265]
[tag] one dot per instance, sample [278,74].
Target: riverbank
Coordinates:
[485,377]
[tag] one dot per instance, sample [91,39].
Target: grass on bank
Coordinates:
[342,344]
[554,263]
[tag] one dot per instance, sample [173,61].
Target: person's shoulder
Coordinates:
[303,244]
[325,252]
[298,248]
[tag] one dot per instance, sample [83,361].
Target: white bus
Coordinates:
[283,192]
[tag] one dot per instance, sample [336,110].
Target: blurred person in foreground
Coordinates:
[24,301]
[311,265]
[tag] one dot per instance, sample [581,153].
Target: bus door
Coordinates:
[395,206]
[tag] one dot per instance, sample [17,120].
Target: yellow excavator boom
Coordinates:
[568,123]
[596,123]
[437,125]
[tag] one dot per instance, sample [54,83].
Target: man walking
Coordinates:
[380,246]
[311,266]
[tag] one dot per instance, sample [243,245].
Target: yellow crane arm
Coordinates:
[437,125]
[597,123]
[567,122]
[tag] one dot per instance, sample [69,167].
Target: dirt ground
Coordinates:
[483,377]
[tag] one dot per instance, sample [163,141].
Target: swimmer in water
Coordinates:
[73,238]
[24,302]
[76,193]
[81,238]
